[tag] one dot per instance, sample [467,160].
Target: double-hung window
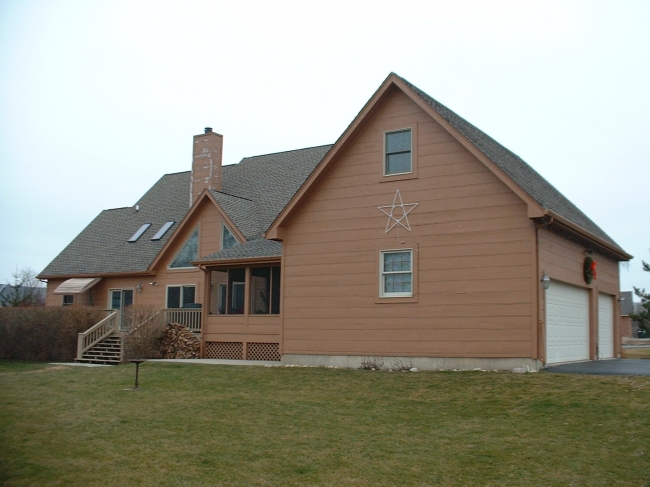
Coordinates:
[396,269]
[180,296]
[397,150]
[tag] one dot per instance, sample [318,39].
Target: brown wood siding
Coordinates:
[471,234]
[562,260]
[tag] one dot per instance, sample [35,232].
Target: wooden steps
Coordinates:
[107,352]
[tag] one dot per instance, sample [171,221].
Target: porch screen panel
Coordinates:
[260,290]
[236,286]
[275,290]
[218,292]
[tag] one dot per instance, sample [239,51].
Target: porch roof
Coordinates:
[253,249]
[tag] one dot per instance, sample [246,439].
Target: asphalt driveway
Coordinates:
[605,367]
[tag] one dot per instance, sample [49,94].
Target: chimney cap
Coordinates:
[208,130]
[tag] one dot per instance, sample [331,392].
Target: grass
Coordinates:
[216,425]
[636,353]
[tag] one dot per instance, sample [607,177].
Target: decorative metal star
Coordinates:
[399,217]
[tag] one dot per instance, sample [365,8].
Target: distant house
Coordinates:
[414,236]
[7,293]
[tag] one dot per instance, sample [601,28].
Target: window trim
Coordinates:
[382,273]
[121,289]
[386,153]
[63,303]
[413,174]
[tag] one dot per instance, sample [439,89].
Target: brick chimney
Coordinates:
[206,163]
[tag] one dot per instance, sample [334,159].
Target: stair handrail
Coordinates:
[96,333]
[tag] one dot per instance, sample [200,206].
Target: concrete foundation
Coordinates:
[421,363]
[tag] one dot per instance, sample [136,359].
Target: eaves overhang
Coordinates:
[237,262]
[558,222]
[91,275]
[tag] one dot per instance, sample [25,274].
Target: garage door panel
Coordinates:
[605,326]
[567,324]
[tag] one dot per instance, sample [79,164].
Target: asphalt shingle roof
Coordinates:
[247,250]
[543,192]
[253,194]
[103,248]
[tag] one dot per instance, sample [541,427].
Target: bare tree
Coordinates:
[643,316]
[26,290]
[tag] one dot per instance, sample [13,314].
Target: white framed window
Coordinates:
[181,296]
[227,238]
[396,271]
[398,152]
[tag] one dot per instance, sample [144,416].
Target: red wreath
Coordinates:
[589,270]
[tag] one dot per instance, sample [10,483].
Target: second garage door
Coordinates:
[567,324]
[605,326]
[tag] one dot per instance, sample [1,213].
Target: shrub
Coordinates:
[147,325]
[371,363]
[44,334]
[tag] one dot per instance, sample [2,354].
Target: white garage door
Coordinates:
[605,326]
[567,324]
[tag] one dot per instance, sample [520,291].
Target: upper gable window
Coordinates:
[227,238]
[188,253]
[397,148]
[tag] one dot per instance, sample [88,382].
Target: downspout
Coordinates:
[541,323]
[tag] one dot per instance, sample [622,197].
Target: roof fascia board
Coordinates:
[195,208]
[115,274]
[590,236]
[232,262]
[275,230]
[535,210]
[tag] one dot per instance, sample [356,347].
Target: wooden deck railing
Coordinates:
[190,318]
[96,333]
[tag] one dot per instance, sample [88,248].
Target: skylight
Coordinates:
[162,231]
[139,233]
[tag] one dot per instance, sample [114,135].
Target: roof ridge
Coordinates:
[233,195]
[518,170]
[282,152]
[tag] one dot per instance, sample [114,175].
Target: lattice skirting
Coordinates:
[224,350]
[235,351]
[263,351]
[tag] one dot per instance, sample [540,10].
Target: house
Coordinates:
[11,295]
[414,236]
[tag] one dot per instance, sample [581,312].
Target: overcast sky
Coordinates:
[99,99]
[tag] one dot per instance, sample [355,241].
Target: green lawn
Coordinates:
[217,425]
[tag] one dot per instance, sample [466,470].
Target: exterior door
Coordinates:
[605,326]
[121,299]
[567,324]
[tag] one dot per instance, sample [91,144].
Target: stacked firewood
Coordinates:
[179,342]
